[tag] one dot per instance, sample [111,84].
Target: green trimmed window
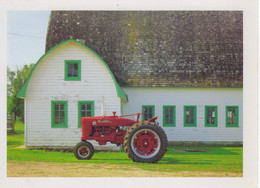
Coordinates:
[231,116]
[85,109]
[59,114]
[148,111]
[169,116]
[72,70]
[190,116]
[211,116]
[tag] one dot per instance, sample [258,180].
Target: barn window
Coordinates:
[72,70]
[211,116]
[85,109]
[169,116]
[59,112]
[190,118]
[148,111]
[232,116]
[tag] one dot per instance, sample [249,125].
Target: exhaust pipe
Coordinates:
[103,108]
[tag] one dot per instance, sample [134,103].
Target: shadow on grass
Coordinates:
[211,151]
[164,160]
[172,160]
[174,157]
[14,143]
[171,155]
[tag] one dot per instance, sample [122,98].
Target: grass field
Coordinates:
[217,161]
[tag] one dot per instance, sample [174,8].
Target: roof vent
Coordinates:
[82,41]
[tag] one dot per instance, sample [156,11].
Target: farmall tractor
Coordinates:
[143,141]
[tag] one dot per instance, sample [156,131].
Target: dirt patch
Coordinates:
[50,169]
[22,146]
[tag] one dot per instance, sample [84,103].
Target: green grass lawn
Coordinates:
[218,159]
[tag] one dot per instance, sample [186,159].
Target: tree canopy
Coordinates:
[15,81]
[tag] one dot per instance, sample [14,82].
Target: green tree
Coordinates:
[15,81]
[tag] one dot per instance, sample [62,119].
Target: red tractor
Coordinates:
[143,141]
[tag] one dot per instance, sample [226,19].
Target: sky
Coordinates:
[26,36]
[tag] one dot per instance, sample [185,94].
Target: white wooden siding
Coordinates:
[47,84]
[199,97]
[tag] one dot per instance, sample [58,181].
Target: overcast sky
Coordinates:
[26,36]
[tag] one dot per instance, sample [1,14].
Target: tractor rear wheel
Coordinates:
[84,150]
[145,142]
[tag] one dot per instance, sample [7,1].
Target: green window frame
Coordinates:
[190,116]
[232,116]
[149,111]
[211,116]
[169,116]
[72,70]
[59,114]
[83,108]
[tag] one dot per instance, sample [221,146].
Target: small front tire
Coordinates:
[84,150]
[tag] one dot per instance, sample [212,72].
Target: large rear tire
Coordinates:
[145,142]
[83,150]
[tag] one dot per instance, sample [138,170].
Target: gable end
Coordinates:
[120,92]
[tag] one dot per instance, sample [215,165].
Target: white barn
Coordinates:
[70,80]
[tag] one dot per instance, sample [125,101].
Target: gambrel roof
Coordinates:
[159,48]
[23,91]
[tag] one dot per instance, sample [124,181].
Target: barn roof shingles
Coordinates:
[159,48]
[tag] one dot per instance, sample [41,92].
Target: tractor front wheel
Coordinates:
[84,150]
[145,142]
